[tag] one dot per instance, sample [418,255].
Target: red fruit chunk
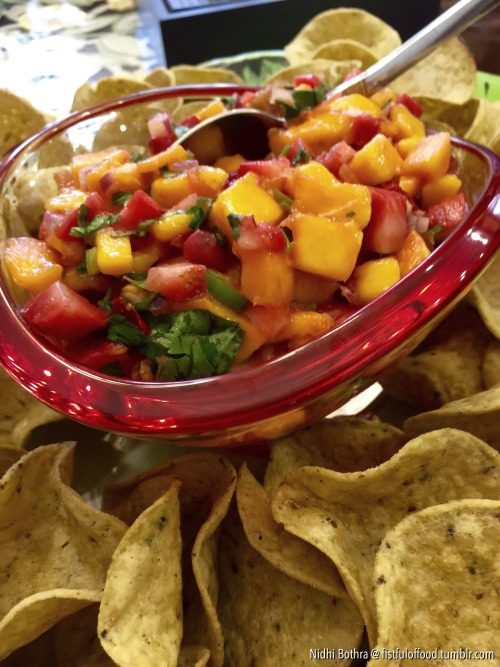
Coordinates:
[388,224]
[177,282]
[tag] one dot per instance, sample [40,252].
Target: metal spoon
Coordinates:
[245,130]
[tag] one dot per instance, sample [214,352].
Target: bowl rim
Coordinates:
[348,353]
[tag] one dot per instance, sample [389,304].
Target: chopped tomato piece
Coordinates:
[262,236]
[177,282]
[272,171]
[61,314]
[100,353]
[312,80]
[339,154]
[363,128]
[388,224]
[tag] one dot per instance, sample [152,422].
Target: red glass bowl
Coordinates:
[272,398]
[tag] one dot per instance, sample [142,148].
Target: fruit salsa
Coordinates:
[160,266]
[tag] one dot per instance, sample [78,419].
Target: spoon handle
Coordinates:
[451,22]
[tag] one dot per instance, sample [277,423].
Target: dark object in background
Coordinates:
[193,31]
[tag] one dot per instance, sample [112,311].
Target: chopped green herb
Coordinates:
[121,198]
[283,200]
[199,212]
[100,221]
[234,222]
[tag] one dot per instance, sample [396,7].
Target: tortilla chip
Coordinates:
[449,72]
[345,444]
[185,74]
[342,23]
[287,553]
[193,656]
[452,599]
[140,618]
[18,120]
[9,456]
[346,49]
[478,414]
[347,515]
[106,89]
[446,367]
[269,618]
[485,296]
[47,522]
[160,77]
[207,484]
[491,364]
[20,413]
[32,190]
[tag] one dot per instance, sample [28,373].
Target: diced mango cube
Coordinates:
[406,146]
[372,278]
[383,97]
[410,184]
[430,159]
[169,190]
[325,247]
[229,163]
[31,264]
[125,178]
[311,289]
[163,159]
[408,125]
[108,156]
[378,161]
[267,277]
[306,325]
[244,197]
[146,255]
[207,181]
[356,102]
[170,225]
[82,282]
[436,191]
[67,200]
[315,190]
[319,132]
[114,253]
[413,251]
[213,108]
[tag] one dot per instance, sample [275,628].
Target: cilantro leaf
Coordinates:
[86,228]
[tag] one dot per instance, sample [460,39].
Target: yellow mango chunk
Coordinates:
[67,200]
[436,191]
[410,184]
[378,161]
[229,163]
[356,102]
[166,158]
[430,159]
[407,145]
[244,197]
[315,190]
[126,178]
[170,225]
[211,109]
[319,132]
[108,156]
[82,282]
[309,289]
[94,176]
[267,277]
[324,247]
[114,253]
[383,97]
[413,251]
[169,190]
[147,255]
[207,181]
[408,125]
[373,278]
[306,325]
[31,264]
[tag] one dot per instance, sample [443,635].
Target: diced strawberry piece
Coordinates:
[201,247]
[388,224]
[177,282]
[411,104]
[139,208]
[270,170]
[312,80]
[61,314]
[262,236]
[339,154]
[447,215]
[120,306]
[364,127]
